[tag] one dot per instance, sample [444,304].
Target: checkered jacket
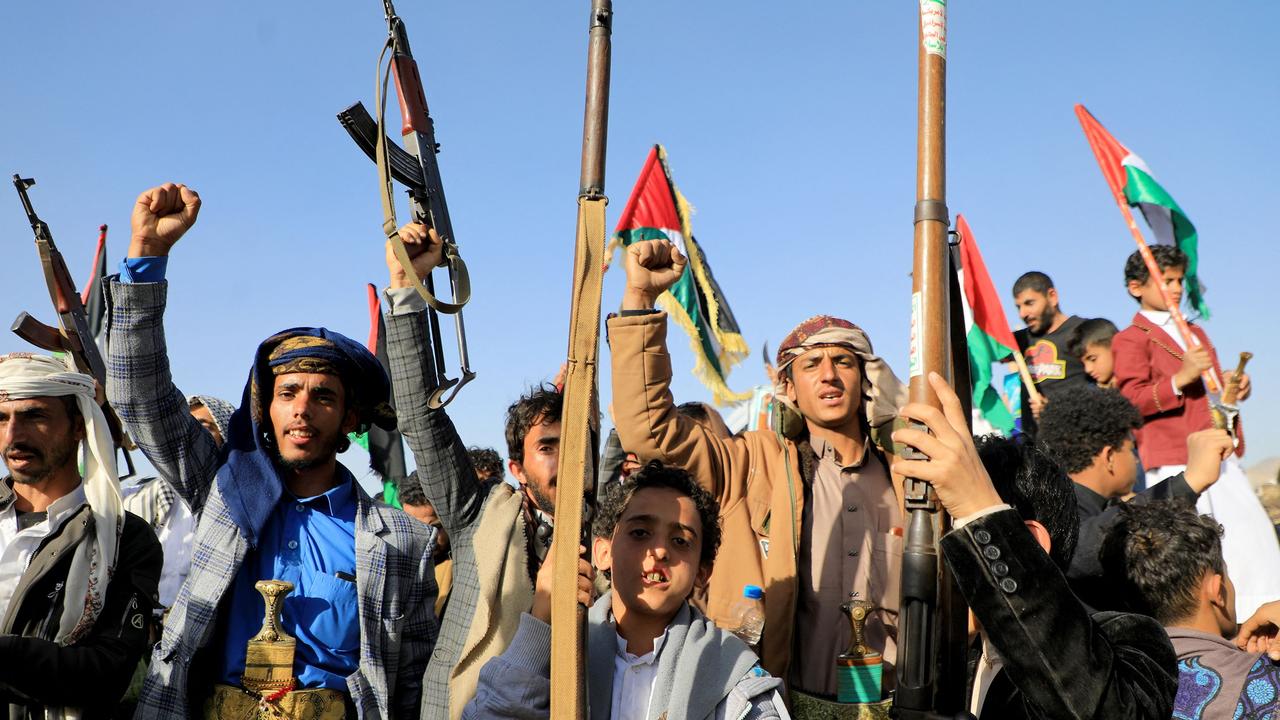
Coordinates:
[395,579]
[460,499]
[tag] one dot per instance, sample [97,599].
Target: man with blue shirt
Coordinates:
[274,504]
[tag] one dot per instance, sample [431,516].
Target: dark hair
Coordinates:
[542,404]
[1159,552]
[409,490]
[618,495]
[1034,280]
[1078,425]
[1028,479]
[693,410]
[486,460]
[1167,256]
[1097,331]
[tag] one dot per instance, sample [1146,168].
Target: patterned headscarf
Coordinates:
[249,480]
[24,376]
[882,392]
[220,409]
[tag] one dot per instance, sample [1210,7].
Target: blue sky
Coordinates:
[790,127]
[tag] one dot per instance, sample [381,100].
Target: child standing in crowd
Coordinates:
[1159,374]
[656,534]
[1091,343]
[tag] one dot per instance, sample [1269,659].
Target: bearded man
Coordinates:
[78,574]
[1045,343]
[810,513]
[274,503]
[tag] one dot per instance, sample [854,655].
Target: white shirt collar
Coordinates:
[1159,318]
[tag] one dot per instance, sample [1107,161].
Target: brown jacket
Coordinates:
[755,477]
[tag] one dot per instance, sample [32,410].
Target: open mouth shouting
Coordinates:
[655,578]
[301,435]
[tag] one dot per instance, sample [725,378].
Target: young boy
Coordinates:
[1091,342]
[656,535]
[1161,376]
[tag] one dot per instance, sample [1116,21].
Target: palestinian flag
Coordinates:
[386,447]
[657,210]
[986,330]
[1130,178]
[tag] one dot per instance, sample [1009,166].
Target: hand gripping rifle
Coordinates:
[931,636]
[72,336]
[415,167]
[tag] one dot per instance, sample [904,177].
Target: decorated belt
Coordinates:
[233,703]
[812,707]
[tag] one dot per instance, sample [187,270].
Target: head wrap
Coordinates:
[882,392]
[220,409]
[24,376]
[249,479]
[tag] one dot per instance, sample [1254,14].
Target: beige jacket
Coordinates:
[755,476]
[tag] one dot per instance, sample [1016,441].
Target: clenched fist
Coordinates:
[653,266]
[161,215]
[1194,361]
[425,248]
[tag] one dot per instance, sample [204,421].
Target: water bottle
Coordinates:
[749,612]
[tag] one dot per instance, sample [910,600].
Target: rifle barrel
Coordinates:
[596,120]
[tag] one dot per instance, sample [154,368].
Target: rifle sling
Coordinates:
[576,461]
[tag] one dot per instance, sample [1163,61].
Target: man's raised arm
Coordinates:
[444,468]
[643,409]
[139,382]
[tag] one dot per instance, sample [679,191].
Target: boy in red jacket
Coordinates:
[1159,374]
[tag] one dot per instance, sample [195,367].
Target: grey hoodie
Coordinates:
[704,673]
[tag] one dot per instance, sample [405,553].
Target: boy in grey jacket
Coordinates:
[650,653]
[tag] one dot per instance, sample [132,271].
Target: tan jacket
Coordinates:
[755,477]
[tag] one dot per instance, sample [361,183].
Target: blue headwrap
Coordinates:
[248,478]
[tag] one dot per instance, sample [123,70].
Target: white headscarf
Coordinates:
[24,376]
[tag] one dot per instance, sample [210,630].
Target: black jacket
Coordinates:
[94,673]
[1059,660]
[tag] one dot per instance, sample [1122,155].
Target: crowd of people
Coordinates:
[1113,559]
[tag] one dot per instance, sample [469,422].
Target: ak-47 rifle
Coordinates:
[931,633]
[72,336]
[415,167]
[579,421]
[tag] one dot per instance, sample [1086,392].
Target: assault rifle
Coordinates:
[72,336]
[415,167]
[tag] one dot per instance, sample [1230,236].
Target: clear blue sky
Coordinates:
[790,126]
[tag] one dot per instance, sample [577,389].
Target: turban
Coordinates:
[249,479]
[24,376]
[882,392]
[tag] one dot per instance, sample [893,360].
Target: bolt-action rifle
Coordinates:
[72,335]
[415,167]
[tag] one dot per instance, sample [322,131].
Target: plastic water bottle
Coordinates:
[750,614]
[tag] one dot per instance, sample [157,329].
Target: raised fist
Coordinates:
[161,215]
[653,266]
[1206,449]
[425,248]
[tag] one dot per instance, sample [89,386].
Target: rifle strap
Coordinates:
[461,278]
[580,417]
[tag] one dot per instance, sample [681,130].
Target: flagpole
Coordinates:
[1211,381]
[1027,381]
[579,420]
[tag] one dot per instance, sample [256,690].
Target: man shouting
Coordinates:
[809,513]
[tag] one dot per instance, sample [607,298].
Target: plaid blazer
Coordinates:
[395,579]
[460,500]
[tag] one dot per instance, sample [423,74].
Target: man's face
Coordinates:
[1124,468]
[309,418]
[654,556]
[426,514]
[202,414]
[1150,295]
[826,385]
[537,472]
[38,438]
[1098,363]
[1037,309]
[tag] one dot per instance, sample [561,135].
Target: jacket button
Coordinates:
[982,536]
[999,569]
[1009,585]
[991,552]
[852,508]
[853,553]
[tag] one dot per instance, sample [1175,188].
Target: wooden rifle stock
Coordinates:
[580,423]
